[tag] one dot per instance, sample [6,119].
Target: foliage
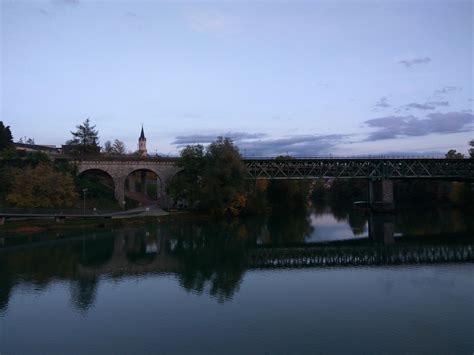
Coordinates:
[5,180]
[6,138]
[212,180]
[223,178]
[186,184]
[117,148]
[461,194]
[453,154]
[471,150]
[85,139]
[41,186]
[257,202]
[26,140]
[99,191]
[288,195]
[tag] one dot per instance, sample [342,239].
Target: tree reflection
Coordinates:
[211,256]
[83,293]
[288,229]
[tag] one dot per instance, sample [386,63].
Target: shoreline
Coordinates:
[30,227]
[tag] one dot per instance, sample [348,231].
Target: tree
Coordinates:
[288,195]
[471,150]
[6,138]
[107,147]
[117,148]
[211,179]
[85,138]
[26,140]
[223,179]
[453,154]
[41,186]
[187,184]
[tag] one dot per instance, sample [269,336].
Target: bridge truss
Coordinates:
[357,168]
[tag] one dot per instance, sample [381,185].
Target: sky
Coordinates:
[305,78]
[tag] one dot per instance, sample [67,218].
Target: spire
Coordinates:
[142,135]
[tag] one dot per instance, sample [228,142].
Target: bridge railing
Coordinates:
[347,157]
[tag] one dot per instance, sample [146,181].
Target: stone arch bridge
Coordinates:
[121,169]
[377,170]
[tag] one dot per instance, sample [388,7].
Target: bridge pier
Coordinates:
[119,190]
[381,194]
[382,228]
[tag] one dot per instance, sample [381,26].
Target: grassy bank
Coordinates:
[32,227]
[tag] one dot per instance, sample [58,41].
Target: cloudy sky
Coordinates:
[279,77]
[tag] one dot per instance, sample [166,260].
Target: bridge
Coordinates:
[380,172]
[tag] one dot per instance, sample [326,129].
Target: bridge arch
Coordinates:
[90,171]
[144,184]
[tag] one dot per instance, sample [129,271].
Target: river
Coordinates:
[331,281]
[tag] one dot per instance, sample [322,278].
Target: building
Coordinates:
[142,144]
[48,149]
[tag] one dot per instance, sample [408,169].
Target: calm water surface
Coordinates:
[331,282]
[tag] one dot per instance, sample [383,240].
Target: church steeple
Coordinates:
[142,144]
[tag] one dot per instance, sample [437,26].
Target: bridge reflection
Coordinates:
[206,257]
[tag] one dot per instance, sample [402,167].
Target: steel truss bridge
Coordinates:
[358,168]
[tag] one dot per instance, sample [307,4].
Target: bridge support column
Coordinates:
[163,198]
[119,191]
[381,194]
[382,228]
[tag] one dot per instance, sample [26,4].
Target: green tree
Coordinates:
[186,185]
[6,138]
[223,178]
[85,139]
[117,148]
[41,186]
[288,195]
[26,140]
[453,154]
[461,194]
[471,150]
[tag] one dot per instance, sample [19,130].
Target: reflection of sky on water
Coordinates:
[327,228]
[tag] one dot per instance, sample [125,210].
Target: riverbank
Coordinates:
[30,227]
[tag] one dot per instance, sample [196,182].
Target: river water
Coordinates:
[333,281]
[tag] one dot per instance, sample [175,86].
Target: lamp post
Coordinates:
[84,206]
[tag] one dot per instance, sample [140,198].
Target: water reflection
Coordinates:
[213,257]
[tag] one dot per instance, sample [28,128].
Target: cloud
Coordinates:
[431,105]
[45,12]
[254,144]
[403,126]
[181,141]
[438,103]
[202,20]
[297,145]
[419,106]
[410,62]
[382,103]
[66,2]
[447,89]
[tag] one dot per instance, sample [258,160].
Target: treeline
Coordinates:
[342,193]
[34,180]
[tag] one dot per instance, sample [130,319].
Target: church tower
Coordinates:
[142,144]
